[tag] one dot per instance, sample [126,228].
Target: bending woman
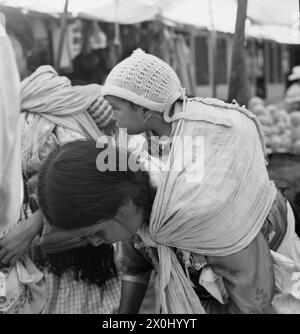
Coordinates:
[118,209]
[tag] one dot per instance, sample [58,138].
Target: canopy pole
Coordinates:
[63,28]
[117,38]
[238,86]
[213,77]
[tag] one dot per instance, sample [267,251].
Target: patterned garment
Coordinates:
[22,304]
[68,296]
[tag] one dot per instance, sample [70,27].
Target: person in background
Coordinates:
[292,97]
[22,289]
[54,112]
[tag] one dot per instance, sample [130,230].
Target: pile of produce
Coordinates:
[281,128]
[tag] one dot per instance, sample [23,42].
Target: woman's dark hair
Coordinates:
[17,25]
[73,193]
[93,265]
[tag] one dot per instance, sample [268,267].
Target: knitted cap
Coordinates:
[145,80]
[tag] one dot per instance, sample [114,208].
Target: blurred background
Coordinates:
[248,50]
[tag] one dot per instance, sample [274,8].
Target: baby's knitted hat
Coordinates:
[145,80]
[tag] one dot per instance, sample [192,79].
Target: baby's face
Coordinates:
[127,116]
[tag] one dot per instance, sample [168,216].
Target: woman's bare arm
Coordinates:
[15,244]
[132,296]
[248,277]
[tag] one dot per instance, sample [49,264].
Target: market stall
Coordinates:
[282,136]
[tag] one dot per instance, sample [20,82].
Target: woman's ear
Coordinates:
[126,209]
